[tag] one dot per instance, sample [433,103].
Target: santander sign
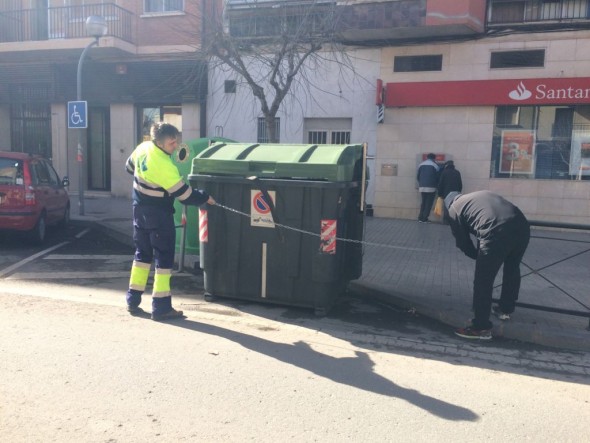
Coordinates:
[520,93]
[541,91]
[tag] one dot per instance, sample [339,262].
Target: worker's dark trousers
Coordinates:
[507,249]
[426,206]
[154,235]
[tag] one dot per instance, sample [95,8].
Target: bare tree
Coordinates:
[269,44]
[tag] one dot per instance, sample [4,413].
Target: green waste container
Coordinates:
[182,158]
[312,188]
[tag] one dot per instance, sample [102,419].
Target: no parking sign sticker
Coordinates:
[260,214]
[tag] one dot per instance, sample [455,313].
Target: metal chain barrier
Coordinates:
[380,245]
[314,234]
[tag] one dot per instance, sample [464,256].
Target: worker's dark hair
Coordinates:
[162,130]
[431,156]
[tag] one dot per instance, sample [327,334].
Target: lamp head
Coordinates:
[96,26]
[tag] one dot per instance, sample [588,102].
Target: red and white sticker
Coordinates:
[328,237]
[203,226]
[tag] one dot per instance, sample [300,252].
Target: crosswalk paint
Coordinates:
[33,257]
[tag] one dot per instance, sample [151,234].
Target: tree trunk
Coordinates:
[271,133]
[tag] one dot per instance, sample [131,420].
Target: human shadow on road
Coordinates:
[354,371]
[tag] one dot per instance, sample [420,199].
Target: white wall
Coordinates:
[190,121]
[335,93]
[465,133]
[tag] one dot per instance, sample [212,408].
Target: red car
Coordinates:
[31,195]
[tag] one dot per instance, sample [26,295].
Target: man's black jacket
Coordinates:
[486,215]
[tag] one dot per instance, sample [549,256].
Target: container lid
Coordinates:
[284,161]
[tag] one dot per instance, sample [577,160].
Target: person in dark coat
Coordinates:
[427,177]
[449,181]
[502,233]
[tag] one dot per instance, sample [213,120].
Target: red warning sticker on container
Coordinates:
[328,237]
[203,226]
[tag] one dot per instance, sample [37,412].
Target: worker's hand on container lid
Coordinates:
[211,200]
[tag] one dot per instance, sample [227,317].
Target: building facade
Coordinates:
[500,87]
[510,107]
[148,67]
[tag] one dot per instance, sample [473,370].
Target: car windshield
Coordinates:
[10,172]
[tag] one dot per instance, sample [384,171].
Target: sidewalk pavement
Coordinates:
[418,267]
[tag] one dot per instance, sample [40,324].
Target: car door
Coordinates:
[42,187]
[59,196]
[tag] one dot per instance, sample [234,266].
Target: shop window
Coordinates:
[151,6]
[263,136]
[416,63]
[541,142]
[518,59]
[148,115]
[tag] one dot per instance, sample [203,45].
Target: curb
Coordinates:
[552,337]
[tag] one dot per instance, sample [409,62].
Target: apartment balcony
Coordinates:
[57,29]
[357,22]
[542,13]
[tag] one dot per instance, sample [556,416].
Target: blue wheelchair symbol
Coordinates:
[77,114]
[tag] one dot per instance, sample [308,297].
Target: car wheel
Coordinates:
[39,231]
[65,221]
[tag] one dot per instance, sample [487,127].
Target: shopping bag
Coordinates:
[438,207]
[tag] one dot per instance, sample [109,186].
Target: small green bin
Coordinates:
[182,158]
[312,188]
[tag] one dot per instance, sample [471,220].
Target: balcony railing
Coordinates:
[64,23]
[540,11]
[312,18]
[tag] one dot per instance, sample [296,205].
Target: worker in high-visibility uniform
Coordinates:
[156,183]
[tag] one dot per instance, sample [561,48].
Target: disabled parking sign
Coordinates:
[260,214]
[77,112]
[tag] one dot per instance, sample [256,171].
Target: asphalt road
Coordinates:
[76,367]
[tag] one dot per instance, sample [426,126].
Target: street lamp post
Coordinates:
[96,26]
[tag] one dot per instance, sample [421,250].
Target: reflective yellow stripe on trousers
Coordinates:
[162,283]
[139,275]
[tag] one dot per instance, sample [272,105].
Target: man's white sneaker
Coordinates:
[499,314]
